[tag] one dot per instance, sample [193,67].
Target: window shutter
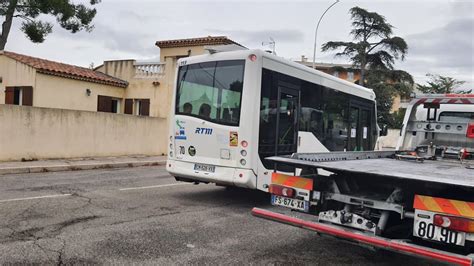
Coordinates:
[104,104]
[27,98]
[9,95]
[145,107]
[128,106]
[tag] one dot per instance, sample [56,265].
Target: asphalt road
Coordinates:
[142,216]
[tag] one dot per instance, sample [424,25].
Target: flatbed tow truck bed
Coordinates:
[450,172]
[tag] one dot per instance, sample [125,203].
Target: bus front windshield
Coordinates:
[211,91]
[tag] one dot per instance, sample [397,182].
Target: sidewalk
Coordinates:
[79,164]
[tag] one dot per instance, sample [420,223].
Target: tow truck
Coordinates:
[417,199]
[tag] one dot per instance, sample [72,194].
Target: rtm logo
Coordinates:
[203,131]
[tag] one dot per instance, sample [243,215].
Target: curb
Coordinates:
[77,167]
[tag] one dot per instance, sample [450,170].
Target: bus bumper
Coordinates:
[222,175]
[294,219]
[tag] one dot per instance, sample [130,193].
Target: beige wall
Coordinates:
[39,133]
[144,89]
[14,73]
[140,88]
[57,92]
[180,51]
[396,104]
[122,69]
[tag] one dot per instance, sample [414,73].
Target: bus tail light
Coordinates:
[253,57]
[281,191]
[470,131]
[244,143]
[243,162]
[454,223]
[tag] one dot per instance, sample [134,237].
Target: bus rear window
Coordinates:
[211,91]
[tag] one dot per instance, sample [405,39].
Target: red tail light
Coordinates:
[282,191]
[470,131]
[454,223]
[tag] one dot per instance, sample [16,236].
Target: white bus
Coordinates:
[231,110]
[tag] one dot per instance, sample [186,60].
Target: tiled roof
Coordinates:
[210,40]
[64,70]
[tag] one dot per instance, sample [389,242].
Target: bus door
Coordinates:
[288,106]
[360,127]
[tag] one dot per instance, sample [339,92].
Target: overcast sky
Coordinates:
[440,34]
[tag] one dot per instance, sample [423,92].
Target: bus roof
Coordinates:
[343,85]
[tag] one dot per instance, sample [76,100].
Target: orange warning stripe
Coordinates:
[292,181]
[440,205]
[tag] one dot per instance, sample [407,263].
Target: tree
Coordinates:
[440,84]
[70,16]
[375,47]
[373,52]
[387,85]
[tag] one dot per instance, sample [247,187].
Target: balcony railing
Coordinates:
[150,70]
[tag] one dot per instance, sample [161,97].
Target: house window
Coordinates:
[108,104]
[350,76]
[137,107]
[142,107]
[136,110]
[19,96]
[335,73]
[116,106]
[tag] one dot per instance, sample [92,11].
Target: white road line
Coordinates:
[39,197]
[157,186]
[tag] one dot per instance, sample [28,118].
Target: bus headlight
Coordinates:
[243,162]
[243,153]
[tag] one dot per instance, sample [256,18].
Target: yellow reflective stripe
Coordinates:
[278,179]
[463,208]
[431,204]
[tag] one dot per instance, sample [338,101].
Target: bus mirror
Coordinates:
[383,131]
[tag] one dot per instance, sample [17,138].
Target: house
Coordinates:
[343,71]
[31,81]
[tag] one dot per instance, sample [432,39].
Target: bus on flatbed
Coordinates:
[233,109]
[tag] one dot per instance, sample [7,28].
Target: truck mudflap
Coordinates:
[359,237]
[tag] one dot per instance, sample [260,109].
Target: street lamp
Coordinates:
[316,31]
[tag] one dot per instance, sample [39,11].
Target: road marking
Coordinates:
[157,186]
[39,197]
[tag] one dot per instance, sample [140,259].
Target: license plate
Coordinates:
[290,203]
[424,228]
[204,168]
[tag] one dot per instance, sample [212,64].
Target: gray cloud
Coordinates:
[447,45]
[124,40]
[255,38]
[447,50]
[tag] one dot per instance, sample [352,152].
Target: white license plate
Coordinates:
[424,228]
[290,203]
[204,168]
